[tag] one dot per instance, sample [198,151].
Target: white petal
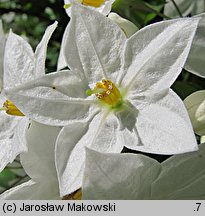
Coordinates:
[94,45]
[118,176]
[2,44]
[195,62]
[199,7]
[127,27]
[61,59]
[182,177]
[186,8]
[32,191]
[10,144]
[164,127]
[105,8]
[19,65]
[195,104]
[38,161]
[53,99]
[41,49]
[155,55]
[100,134]
[7,122]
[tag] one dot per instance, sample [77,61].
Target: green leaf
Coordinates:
[5,177]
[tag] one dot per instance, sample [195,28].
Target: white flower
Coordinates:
[186,7]
[127,27]
[128,80]
[131,176]
[102,6]
[195,104]
[20,66]
[39,164]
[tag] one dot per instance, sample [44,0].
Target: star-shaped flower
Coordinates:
[135,176]
[20,66]
[117,94]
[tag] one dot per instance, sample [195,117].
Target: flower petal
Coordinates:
[195,62]
[186,7]
[93,45]
[19,61]
[10,142]
[105,8]
[2,44]
[164,127]
[182,177]
[41,49]
[53,99]
[100,134]
[155,55]
[127,27]
[38,161]
[31,191]
[118,176]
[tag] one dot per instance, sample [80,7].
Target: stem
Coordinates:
[155,11]
[177,8]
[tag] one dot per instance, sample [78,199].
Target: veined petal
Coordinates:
[41,49]
[155,55]
[118,176]
[31,190]
[100,134]
[94,45]
[38,161]
[181,173]
[195,62]
[164,127]
[2,44]
[19,61]
[55,99]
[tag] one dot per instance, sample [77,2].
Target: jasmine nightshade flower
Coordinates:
[20,65]
[195,104]
[38,162]
[135,176]
[102,6]
[116,94]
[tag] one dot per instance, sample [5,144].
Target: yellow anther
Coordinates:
[77,195]
[107,92]
[93,3]
[11,109]
[66,6]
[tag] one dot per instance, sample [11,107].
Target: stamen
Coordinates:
[66,6]
[77,195]
[11,109]
[93,3]
[106,92]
